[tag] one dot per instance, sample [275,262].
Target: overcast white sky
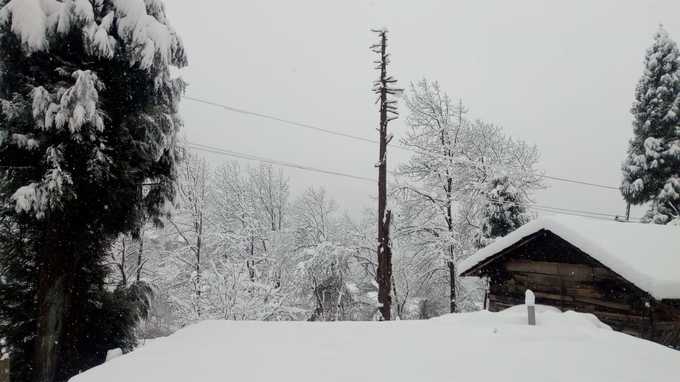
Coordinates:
[558,74]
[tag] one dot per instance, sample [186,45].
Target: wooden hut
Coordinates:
[627,274]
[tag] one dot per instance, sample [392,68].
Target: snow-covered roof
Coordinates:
[480,346]
[647,255]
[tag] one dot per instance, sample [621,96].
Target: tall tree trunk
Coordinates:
[199,237]
[448,187]
[121,267]
[383,89]
[451,255]
[53,303]
[51,311]
[140,194]
[384,273]
[452,285]
[140,254]
[250,263]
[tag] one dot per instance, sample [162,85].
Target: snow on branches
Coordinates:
[141,25]
[650,169]
[446,186]
[68,95]
[457,159]
[40,197]
[71,108]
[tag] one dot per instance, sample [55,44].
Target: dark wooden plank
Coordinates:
[606,304]
[576,272]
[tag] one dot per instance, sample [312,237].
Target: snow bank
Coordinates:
[547,317]
[647,255]
[479,346]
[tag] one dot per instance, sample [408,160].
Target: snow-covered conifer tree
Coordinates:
[651,170]
[503,210]
[88,115]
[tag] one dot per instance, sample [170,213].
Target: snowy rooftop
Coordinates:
[479,347]
[647,255]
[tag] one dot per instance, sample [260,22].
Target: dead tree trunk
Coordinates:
[388,112]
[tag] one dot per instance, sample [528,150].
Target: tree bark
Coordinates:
[140,254]
[199,237]
[452,259]
[384,271]
[384,274]
[452,285]
[53,304]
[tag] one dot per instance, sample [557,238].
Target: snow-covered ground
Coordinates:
[480,346]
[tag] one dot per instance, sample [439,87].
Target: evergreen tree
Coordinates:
[651,170]
[502,211]
[88,115]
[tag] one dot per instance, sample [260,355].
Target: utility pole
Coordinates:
[383,87]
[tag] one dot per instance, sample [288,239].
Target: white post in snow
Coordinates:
[113,354]
[530,302]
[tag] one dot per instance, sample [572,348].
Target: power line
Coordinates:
[562,211]
[607,218]
[282,120]
[580,182]
[594,215]
[234,154]
[364,139]
[575,211]
[230,153]
[598,216]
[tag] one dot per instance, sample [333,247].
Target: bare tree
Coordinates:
[326,257]
[313,221]
[272,191]
[384,88]
[454,157]
[190,220]
[121,252]
[249,273]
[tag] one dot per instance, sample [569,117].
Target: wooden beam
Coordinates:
[575,272]
[474,271]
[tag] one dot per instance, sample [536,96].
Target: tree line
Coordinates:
[239,245]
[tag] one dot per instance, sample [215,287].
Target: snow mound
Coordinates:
[481,346]
[644,254]
[546,316]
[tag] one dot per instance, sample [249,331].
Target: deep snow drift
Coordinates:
[478,346]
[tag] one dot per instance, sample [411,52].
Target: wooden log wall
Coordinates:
[580,284]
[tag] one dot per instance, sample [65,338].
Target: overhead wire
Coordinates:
[364,139]
[238,155]
[235,154]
